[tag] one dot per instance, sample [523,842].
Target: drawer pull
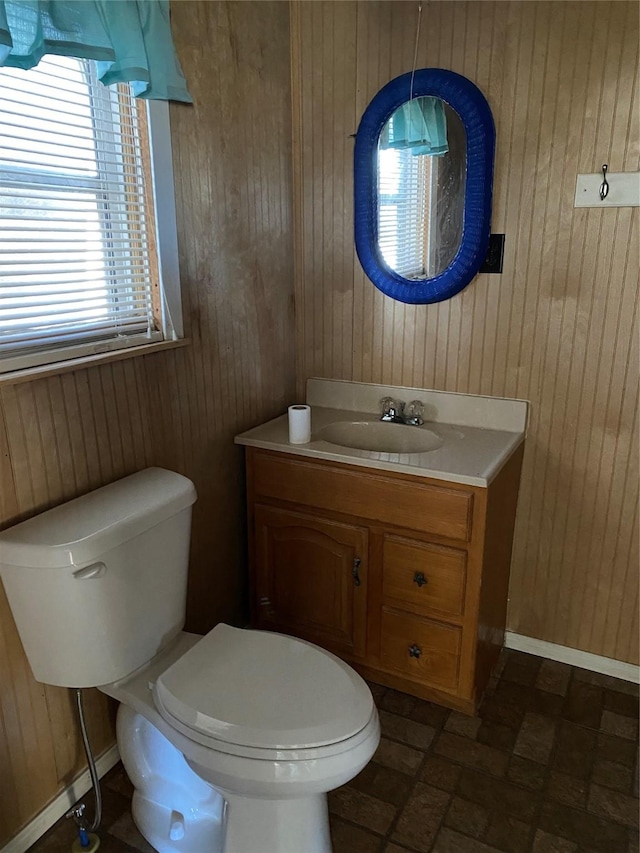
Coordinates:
[419,578]
[355,571]
[414,651]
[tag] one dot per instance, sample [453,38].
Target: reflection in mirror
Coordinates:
[421,188]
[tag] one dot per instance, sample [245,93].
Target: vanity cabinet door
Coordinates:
[311,578]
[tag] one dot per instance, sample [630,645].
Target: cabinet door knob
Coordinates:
[355,571]
[419,578]
[414,651]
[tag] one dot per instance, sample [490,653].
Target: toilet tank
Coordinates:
[97,586]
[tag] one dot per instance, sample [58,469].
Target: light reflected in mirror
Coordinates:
[421,186]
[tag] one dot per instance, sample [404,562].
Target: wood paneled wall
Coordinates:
[558,327]
[63,436]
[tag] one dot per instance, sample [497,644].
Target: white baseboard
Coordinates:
[61,805]
[574,657]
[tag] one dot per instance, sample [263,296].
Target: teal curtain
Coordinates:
[130,40]
[419,126]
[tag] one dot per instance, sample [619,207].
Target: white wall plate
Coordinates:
[624,190]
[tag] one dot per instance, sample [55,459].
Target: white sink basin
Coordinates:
[380,437]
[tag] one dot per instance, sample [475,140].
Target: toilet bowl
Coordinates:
[272,753]
[231,740]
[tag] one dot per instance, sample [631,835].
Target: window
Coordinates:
[80,273]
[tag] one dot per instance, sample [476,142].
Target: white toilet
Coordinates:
[231,740]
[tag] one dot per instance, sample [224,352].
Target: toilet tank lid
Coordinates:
[79,531]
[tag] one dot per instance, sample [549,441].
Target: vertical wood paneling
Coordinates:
[63,436]
[558,327]
[48,453]
[233,158]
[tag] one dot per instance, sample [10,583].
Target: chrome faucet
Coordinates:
[394,411]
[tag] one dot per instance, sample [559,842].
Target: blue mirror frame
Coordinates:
[467,100]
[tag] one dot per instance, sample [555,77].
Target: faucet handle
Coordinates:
[414,412]
[415,408]
[392,410]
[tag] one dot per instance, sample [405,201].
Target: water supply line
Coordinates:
[87,842]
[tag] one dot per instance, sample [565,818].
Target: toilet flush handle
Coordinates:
[95,570]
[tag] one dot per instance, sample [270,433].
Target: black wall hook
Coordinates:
[604,186]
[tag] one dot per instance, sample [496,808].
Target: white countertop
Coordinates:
[471,455]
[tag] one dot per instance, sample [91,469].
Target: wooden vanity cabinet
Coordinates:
[404,577]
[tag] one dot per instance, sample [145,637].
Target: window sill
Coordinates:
[30,373]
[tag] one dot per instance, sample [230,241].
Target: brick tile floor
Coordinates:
[549,765]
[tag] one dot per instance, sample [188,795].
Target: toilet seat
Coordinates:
[273,754]
[323,715]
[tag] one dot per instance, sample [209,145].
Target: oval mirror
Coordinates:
[423,181]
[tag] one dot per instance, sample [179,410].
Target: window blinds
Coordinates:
[75,266]
[404,191]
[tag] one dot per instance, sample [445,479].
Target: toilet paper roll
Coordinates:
[299,424]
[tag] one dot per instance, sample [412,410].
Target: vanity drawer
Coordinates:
[406,503]
[420,648]
[423,577]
